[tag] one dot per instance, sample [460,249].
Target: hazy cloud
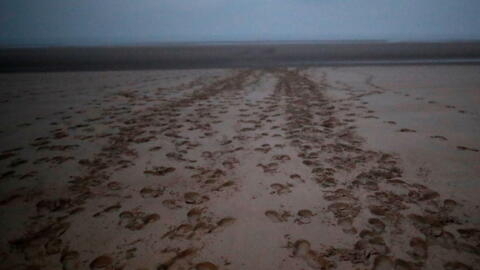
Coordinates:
[112,21]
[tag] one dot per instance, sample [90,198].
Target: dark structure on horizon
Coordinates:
[190,55]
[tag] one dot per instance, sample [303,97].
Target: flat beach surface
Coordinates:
[372,167]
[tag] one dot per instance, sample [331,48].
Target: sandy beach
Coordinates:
[366,167]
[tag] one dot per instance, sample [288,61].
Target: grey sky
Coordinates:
[114,21]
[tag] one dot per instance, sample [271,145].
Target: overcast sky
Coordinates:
[125,21]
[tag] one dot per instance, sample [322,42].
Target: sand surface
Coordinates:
[311,168]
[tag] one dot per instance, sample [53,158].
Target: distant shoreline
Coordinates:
[237,55]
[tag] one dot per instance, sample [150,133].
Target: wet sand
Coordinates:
[285,168]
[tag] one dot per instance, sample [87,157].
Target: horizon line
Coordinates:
[226,42]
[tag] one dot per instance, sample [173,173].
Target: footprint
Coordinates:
[341,209]
[304,216]
[170,204]
[281,158]
[183,230]
[419,248]
[53,246]
[206,266]
[194,215]
[225,222]
[301,248]
[377,225]
[114,186]
[269,168]
[279,188]
[296,177]
[442,138]
[150,218]
[347,225]
[378,210]
[160,171]
[265,148]
[222,186]
[10,199]
[17,162]
[226,142]
[428,195]
[126,217]
[135,221]
[7,174]
[109,209]
[54,205]
[311,163]
[275,217]
[6,155]
[155,148]
[178,258]
[326,182]
[194,198]
[70,260]
[383,263]
[406,130]
[444,239]
[203,228]
[469,233]
[147,192]
[464,148]
[101,262]
[371,241]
